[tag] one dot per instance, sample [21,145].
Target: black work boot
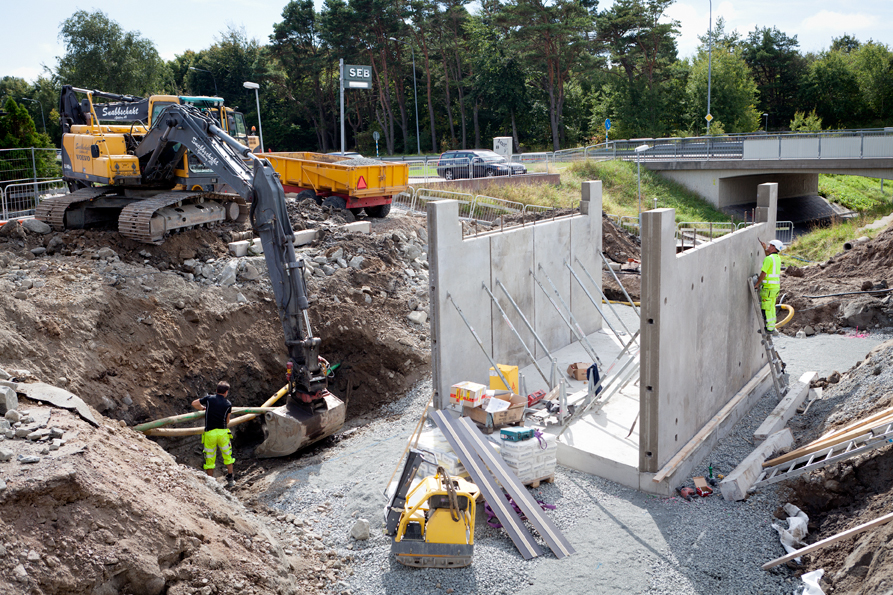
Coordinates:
[230,480]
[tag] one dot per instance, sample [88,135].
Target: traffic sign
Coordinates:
[376,135]
[708,117]
[607,123]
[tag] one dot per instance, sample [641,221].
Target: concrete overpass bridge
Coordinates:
[726,170]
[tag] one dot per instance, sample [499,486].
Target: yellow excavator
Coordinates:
[114,179]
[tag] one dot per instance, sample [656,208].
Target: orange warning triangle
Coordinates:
[362,183]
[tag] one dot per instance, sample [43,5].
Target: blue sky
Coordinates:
[30,37]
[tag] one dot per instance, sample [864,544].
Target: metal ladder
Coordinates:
[776,366]
[877,437]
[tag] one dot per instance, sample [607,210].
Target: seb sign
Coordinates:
[357,77]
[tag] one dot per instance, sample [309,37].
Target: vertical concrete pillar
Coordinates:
[591,198]
[658,254]
[444,231]
[767,207]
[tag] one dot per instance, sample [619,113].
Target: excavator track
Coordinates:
[139,222]
[52,210]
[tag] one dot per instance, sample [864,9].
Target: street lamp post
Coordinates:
[255,86]
[767,122]
[639,150]
[41,111]
[709,62]
[216,94]
[415,95]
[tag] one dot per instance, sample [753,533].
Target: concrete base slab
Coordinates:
[734,487]
[785,409]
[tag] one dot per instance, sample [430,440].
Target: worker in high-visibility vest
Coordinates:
[769,281]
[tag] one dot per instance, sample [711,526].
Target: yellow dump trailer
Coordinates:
[342,182]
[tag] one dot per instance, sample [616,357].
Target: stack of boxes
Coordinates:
[528,459]
[433,443]
[468,394]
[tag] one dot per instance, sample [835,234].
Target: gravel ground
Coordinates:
[626,541]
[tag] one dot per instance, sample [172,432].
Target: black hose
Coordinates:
[849,293]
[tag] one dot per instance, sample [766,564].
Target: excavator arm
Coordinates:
[259,184]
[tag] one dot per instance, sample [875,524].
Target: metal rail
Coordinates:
[512,327]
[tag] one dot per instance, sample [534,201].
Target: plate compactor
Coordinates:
[432,524]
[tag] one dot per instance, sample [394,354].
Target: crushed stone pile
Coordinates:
[853,492]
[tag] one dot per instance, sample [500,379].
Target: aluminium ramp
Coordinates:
[559,544]
[519,534]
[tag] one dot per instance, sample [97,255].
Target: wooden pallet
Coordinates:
[535,483]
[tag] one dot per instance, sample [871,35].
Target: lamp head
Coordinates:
[250,85]
[642,148]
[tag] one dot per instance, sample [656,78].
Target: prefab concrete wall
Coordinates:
[460,267]
[700,344]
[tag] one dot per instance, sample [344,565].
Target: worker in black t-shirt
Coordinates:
[217,410]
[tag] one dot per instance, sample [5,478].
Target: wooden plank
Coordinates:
[735,485]
[711,425]
[785,409]
[830,441]
[828,541]
[559,544]
[518,533]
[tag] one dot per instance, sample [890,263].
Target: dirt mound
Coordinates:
[111,512]
[621,246]
[864,267]
[142,330]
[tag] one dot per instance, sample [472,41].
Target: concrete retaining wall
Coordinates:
[699,330]
[461,266]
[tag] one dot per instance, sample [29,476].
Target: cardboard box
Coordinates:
[578,371]
[469,394]
[510,373]
[513,414]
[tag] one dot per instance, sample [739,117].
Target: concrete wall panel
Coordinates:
[699,329]
[460,267]
[551,248]
[511,252]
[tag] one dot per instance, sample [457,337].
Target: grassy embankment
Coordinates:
[862,195]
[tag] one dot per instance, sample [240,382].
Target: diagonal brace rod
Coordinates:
[512,327]
[595,302]
[616,280]
[581,334]
[481,343]
[524,318]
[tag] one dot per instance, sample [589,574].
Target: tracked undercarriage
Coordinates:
[147,219]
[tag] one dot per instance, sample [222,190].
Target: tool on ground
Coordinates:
[686,493]
[535,397]
[432,524]
[776,366]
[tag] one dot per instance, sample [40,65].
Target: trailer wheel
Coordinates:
[304,194]
[379,211]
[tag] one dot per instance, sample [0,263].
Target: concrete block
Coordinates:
[239,248]
[256,247]
[358,227]
[305,236]
[734,487]
[9,400]
[785,409]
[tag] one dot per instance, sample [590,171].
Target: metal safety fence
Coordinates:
[21,199]
[784,230]
[479,213]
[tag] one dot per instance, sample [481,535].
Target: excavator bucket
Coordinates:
[293,426]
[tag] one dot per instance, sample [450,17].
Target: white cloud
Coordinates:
[836,22]
[28,73]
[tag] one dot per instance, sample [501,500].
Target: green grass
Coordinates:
[854,192]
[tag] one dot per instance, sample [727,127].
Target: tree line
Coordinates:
[548,73]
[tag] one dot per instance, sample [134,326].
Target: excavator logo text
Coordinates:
[207,158]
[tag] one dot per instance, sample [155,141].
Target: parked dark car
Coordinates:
[477,163]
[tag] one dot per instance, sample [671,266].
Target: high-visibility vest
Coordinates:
[772,268]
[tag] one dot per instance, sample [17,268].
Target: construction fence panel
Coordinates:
[425,195]
[699,232]
[19,165]
[489,208]
[21,199]
[784,230]
[404,201]
[630,224]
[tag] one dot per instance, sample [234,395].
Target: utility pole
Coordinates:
[709,63]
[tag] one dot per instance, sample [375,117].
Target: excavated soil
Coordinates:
[863,268]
